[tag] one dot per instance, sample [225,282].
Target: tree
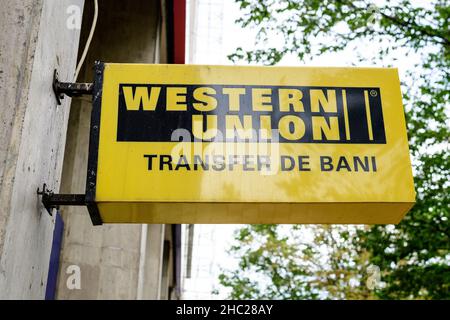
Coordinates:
[413,256]
[297,262]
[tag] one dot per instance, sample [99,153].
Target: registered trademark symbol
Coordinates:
[373,93]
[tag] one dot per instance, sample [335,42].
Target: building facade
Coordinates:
[42,142]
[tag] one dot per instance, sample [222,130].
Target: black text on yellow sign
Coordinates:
[225,113]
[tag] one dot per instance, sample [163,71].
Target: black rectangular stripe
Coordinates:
[158,125]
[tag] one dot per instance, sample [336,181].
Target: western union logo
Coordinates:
[227,113]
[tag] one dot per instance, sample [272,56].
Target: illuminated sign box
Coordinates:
[227,144]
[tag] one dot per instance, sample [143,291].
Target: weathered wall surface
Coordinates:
[114,262]
[34,39]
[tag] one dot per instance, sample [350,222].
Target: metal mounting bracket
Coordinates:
[71,89]
[52,200]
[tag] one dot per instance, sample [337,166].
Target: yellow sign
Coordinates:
[218,144]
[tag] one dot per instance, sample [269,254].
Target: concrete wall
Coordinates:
[34,39]
[116,261]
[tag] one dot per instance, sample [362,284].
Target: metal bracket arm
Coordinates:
[52,200]
[71,89]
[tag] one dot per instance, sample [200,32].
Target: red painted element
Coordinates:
[179,30]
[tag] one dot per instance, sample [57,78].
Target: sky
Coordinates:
[212,34]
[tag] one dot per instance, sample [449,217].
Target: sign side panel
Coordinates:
[257,213]
[91,179]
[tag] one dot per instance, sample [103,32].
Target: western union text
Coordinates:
[151,112]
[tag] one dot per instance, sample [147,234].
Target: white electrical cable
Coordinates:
[88,42]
